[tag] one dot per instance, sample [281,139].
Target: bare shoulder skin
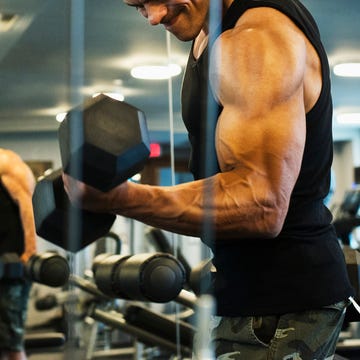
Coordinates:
[261,77]
[19,181]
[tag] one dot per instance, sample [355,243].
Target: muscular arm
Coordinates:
[19,181]
[259,79]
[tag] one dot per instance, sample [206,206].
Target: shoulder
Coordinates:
[266,18]
[13,167]
[264,48]
[10,161]
[7,159]
[264,24]
[7,155]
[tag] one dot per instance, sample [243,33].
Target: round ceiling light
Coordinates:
[347,69]
[60,117]
[158,72]
[348,118]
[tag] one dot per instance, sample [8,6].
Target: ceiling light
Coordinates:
[348,118]
[113,95]
[155,72]
[118,82]
[347,69]
[6,21]
[61,117]
[136,178]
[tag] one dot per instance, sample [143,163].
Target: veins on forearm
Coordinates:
[232,207]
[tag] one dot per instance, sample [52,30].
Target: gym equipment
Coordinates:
[47,302]
[346,217]
[160,324]
[112,145]
[48,268]
[102,242]
[142,334]
[201,277]
[89,287]
[43,340]
[156,277]
[51,209]
[160,242]
[352,258]
[102,313]
[347,350]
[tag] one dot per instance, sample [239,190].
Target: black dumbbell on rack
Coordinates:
[155,277]
[48,268]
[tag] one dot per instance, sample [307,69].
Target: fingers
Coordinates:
[74,189]
[82,195]
[66,182]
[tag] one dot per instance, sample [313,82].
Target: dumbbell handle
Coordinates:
[88,287]
[187,299]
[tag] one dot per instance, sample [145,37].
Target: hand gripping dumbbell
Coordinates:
[52,209]
[102,143]
[155,277]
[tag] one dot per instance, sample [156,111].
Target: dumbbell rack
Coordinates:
[114,319]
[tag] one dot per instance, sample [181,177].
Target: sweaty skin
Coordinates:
[19,181]
[260,134]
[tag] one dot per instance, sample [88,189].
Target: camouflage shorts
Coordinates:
[13,309]
[308,335]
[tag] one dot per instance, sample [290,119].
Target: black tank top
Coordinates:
[11,232]
[304,266]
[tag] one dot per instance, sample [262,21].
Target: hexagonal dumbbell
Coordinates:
[102,143]
[108,139]
[52,210]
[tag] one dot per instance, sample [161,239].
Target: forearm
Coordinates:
[234,207]
[27,220]
[177,208]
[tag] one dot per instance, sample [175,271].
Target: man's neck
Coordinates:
[200,44]
[201,40]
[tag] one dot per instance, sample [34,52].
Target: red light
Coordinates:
[155,150]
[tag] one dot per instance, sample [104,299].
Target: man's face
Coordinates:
[183,18]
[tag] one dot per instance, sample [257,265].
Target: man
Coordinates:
[17,235]
[281,284]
